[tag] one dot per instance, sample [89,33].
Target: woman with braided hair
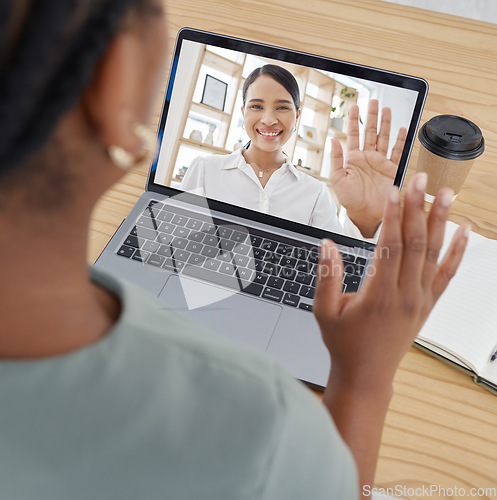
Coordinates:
[107,395]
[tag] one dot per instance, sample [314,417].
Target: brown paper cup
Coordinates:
[450,146]
[442,172]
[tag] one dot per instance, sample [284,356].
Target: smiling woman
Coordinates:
[271,109]
[260,176]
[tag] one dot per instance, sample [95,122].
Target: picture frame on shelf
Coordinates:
[309,134]
[214,93]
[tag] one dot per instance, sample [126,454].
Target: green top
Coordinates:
[163,409]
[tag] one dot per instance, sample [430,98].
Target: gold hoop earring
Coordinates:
[124,159]
[243,125]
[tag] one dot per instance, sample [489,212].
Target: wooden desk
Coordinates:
[441,429]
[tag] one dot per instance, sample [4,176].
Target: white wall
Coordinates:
[190,54]
[480,10]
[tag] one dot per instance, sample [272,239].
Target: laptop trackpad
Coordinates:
[246,319]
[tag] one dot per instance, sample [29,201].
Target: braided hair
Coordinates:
[53,59]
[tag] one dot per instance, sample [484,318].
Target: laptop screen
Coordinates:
[214,145]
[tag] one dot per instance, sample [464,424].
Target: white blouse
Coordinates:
[289,193]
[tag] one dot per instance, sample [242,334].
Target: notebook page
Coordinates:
[465,318]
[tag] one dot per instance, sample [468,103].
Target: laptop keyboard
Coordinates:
[248,260]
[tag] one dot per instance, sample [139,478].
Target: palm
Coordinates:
[361,181]
[361,185]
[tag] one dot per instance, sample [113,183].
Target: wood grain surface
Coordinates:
[441,428]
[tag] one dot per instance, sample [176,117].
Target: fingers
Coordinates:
[374,139]
[371,130]
[406,257]
[414,234]
[329,283]
[399,146]
[385,266]
[436,229]
[336,156]
[451,261]
[353,129]
[384,133]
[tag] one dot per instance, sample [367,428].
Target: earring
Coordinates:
[124,159]
[243,125]
[120,157]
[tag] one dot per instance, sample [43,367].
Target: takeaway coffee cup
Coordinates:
[450,146]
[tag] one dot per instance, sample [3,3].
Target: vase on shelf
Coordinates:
[196,135]
[209,138]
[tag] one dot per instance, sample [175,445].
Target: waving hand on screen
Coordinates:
[361,180]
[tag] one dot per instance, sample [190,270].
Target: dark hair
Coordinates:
[44,68]
[281,75]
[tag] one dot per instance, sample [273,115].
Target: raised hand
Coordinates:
[405,281]
[362,181]
[367,333]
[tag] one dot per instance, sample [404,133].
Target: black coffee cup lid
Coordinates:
[452,137]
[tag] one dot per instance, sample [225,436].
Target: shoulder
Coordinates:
[303,177]
[310,183]
[218,162]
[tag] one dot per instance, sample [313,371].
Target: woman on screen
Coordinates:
[261,176]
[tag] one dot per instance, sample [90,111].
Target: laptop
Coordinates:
[249,273]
